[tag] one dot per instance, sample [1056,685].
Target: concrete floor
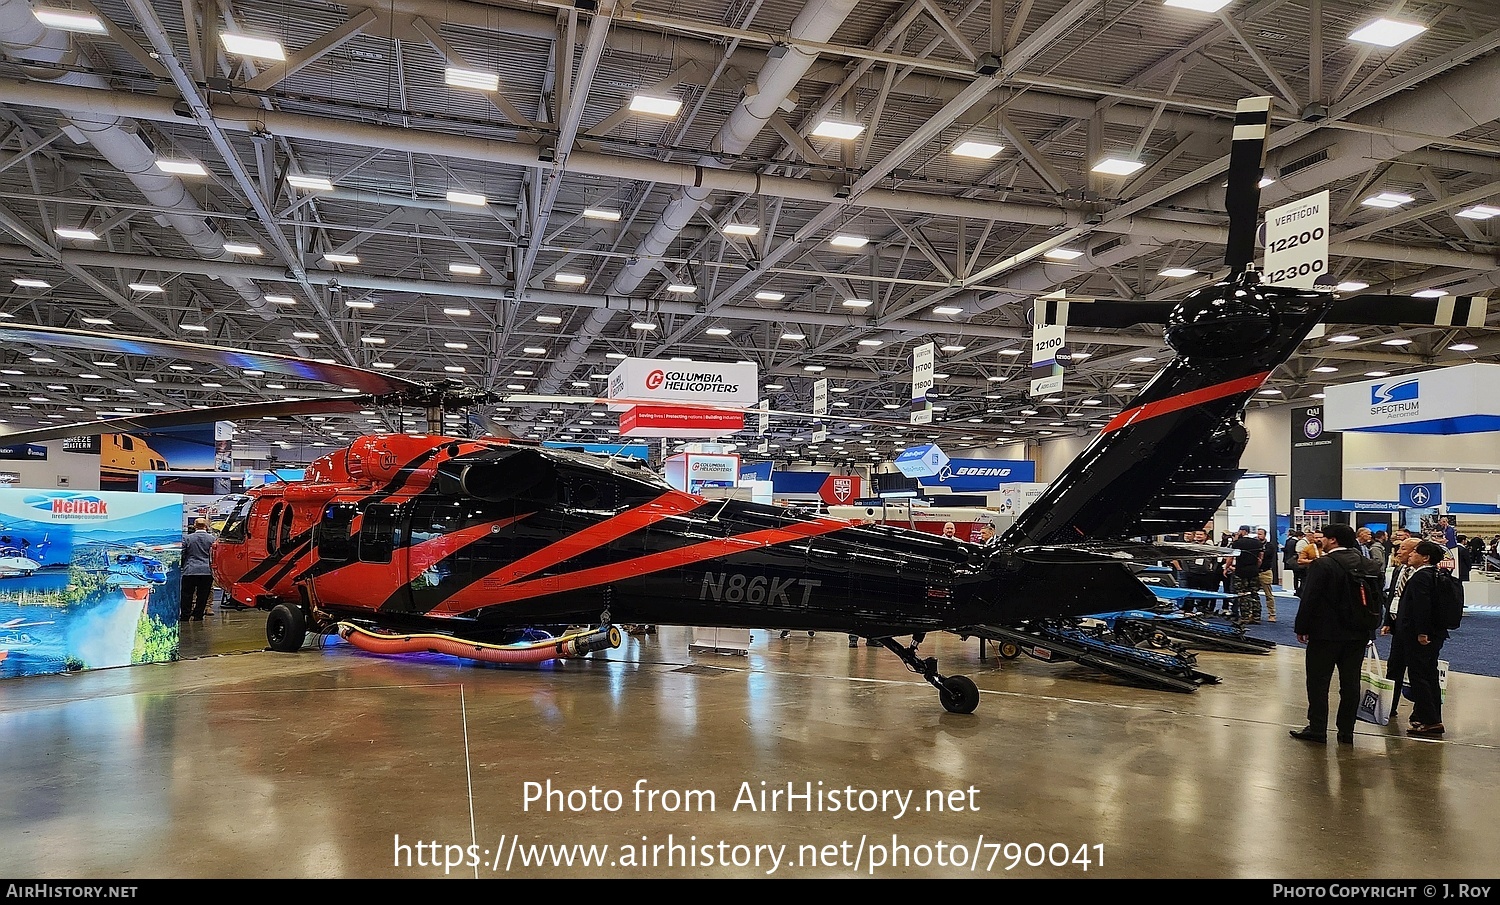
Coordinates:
[334,763]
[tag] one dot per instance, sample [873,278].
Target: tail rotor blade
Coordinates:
[1399,310]
[1247,163]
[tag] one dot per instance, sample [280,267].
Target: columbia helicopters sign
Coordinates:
[708,382]
[1458,400]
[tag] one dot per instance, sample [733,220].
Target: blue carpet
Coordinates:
[1473,647]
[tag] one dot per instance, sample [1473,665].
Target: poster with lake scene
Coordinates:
[88,579]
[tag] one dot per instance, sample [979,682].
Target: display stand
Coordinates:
[721,640]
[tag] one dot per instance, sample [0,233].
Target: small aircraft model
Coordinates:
[472,546]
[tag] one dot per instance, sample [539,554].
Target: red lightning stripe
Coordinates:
[478,595]
[1184,400]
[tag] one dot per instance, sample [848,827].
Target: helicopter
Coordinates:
[19,558]
[492,548]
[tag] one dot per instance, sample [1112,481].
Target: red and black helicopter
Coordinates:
[472,546]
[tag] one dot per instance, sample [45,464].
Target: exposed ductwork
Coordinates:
[25,39]
[817,22]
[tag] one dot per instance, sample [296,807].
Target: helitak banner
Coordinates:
[1317,456]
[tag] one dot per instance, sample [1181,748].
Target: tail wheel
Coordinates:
[286,628]
[959,694]
[1009,650]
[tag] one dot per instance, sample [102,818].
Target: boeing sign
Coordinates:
[979,475]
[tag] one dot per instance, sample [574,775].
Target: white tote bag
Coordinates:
[1376,692]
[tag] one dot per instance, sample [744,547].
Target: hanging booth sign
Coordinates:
[719,384]
[678,421]
[1296,240]
[1046,344]
[841,490]
[921,461]
[692,472]
[1458,400]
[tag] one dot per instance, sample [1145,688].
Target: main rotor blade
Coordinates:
[1394,310]
[1247,164]
[372,382]
[129,424]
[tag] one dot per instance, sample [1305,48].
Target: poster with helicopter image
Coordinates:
[88,579]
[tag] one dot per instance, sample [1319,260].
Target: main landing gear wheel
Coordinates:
[1009,650]
[958,694]
[286,628]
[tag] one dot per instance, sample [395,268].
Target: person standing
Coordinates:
[1289,556]
[1421,634]
[1396,661]
[1308,549]
[1247,574]
[1266,583]
[1331,643]
[197,573]
[1450,532]
[1203,573]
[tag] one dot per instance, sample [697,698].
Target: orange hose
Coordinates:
[574,645]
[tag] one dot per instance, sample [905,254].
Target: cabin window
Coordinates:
[239,519]
[127,443]
[271,525]
[377,535]
[334,542]
[284,535]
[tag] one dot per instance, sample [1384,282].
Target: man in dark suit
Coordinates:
[1331,643]
[1420,634]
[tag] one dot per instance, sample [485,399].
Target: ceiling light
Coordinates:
[334,257]
[616,355]
[1462,347]
[1117,166]
[682,288]
[43,360]
[655,105]
[978,150]
[383,365]
[718,331]
[1388,199]
[1396,342]
[1123,386]
[29,283]
[1377,373]
[953,348]
[192,328]
[765,295]
[81,235]
[601,213]
[474,199]
[1270,391]
[1176,272]
[1343,338]
[456,77]
[1143,359]
[937,376]
[947,310]
[741,229]
[311,183]
[98,321]
[1429,294]
[775,386]
[1479,212]
[457,312]
[1265,181]
[872,342]
[1062,254]
[816,369]
[1200,6]
[995,378]
[255,48]
[1387,32]
[570,279]
[534,350]
[455,345]
[1351,286]
[70,20]
[239,248]
[304,334]
[856,303]
[359,304]
[373,340]
[146,287]
[794,337]
[643,326]
[1326,369]
[181,167]
[832,128]
[467,270]
[1010,352]
[454,369]
[548,319]
[848,241]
